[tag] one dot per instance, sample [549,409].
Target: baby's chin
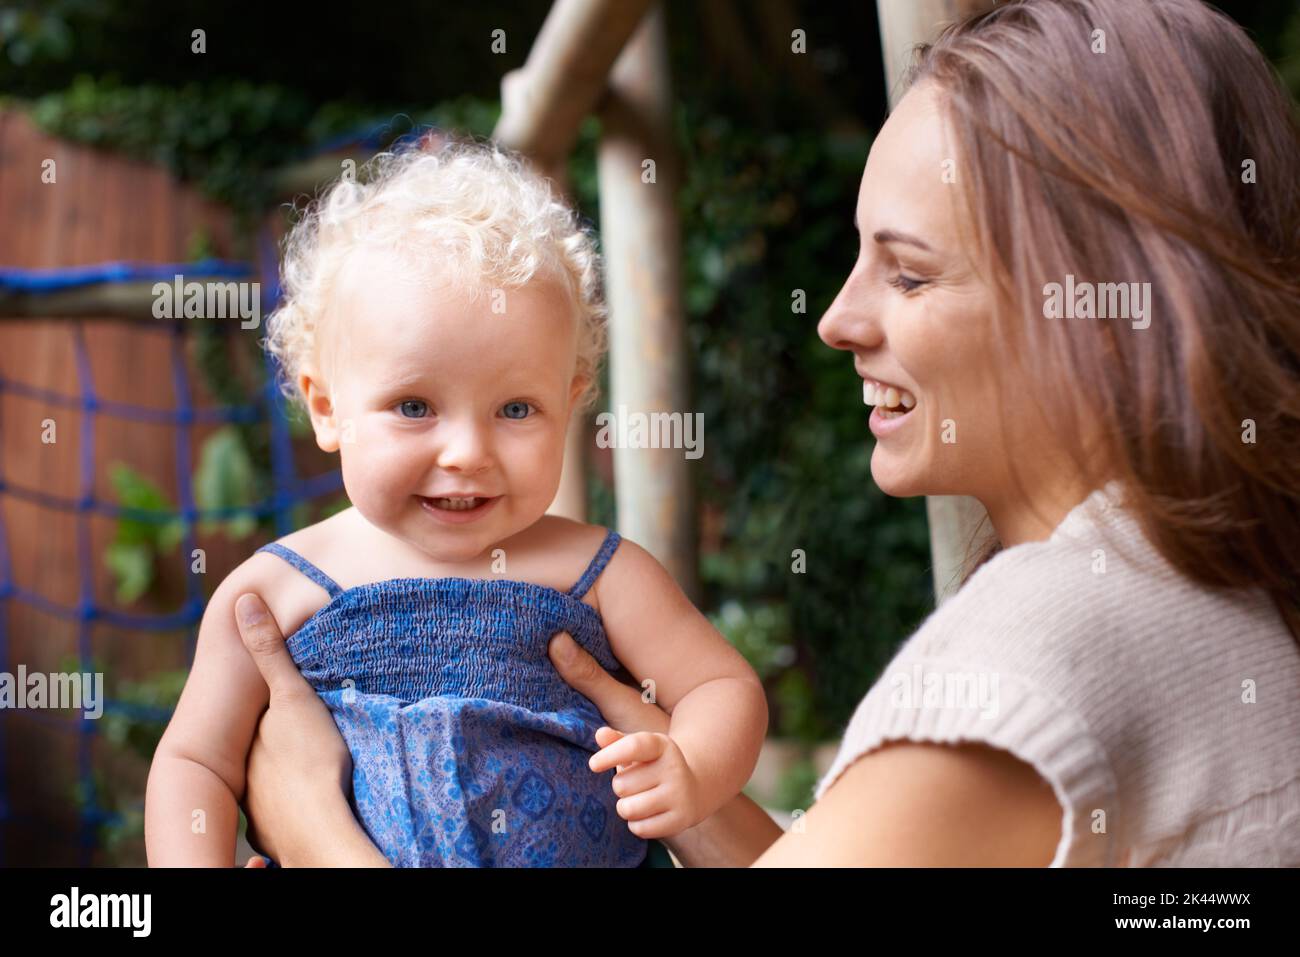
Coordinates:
[463,543]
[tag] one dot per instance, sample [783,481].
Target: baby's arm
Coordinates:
[200,761]
[717,703]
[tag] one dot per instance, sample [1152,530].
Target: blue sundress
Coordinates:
[468,748]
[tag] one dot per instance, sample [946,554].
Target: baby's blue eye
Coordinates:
[516,410]
[414,409]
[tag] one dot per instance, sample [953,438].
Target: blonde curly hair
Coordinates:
[481,212]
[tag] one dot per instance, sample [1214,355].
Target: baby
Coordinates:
[441,324]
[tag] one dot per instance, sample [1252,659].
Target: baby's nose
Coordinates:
[464,448]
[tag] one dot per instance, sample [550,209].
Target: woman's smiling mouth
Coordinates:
[889,400]
[892,405]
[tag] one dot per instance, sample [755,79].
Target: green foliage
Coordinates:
[214,136]
[226,479]
[27,35]
[1289,61]
[761,632]
[795,789]
[228,137]
[139,542]
[139,733]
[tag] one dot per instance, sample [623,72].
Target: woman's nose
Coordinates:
[851,321]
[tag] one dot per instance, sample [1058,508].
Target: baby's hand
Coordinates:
[659,795]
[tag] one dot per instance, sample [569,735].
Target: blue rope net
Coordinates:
[288,490]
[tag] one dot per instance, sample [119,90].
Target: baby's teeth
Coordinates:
[457,504]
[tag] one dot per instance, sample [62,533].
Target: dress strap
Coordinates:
[597,564]
[304,566]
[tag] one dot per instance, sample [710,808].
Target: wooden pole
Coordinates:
[637,169]
[542,106]
[904,24]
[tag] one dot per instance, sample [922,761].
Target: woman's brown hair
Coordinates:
[1120,141]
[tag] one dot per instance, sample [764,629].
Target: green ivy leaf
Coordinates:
[132,566]
[135,491]
[226,478]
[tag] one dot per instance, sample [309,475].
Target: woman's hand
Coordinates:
[299,768]
[623,708]
[735,835]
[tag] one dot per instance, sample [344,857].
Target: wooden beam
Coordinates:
[544,103]
[642,244]
[904,24]
[309,175]
[120,300]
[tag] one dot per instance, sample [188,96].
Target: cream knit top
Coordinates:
[1166,716]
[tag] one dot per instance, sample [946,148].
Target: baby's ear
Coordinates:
[577,387]
[320,408]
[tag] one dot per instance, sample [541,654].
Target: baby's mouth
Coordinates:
[457,503]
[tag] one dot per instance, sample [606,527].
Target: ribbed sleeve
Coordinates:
[1165,716]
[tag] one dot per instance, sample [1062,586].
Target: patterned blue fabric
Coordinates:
[468,748]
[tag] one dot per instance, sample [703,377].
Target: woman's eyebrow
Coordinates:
[894,236]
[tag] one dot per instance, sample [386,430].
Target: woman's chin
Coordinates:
[894,478]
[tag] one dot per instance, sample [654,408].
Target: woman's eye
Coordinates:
[906,283]
[516,410]
[414,409]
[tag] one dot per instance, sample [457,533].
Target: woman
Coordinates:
[1077,299]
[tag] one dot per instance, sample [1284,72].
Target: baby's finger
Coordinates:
[642,746]
[634,780]
[659,826]
[644,805]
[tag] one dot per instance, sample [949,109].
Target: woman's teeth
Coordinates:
[892,402]
[458,504]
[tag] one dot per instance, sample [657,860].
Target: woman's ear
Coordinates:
[320,407]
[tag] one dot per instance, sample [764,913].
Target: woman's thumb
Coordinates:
[265,644]
[575,665]
[621,706]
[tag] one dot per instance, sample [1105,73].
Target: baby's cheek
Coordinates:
[377,475]
[533,469]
